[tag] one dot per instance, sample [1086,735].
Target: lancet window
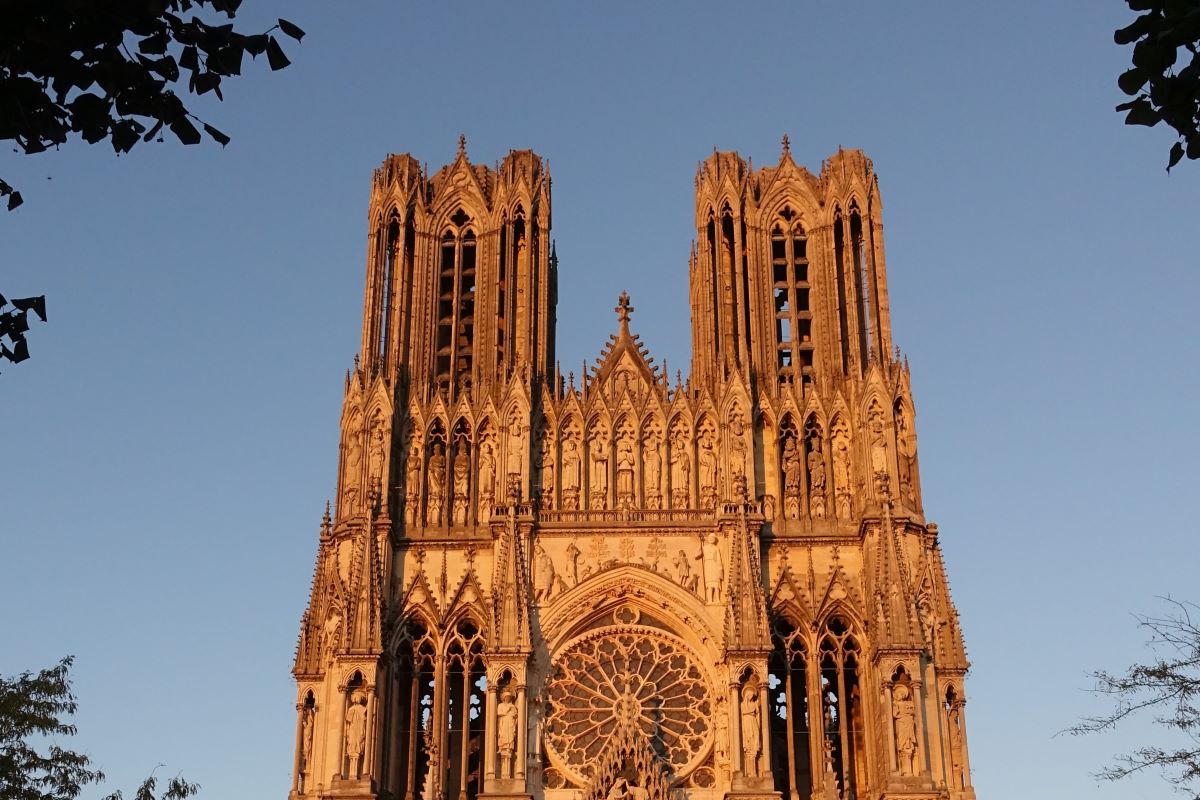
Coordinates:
[790,723]
[864,289]
[514,260]
[409,713]
[791,290]
[841,707]
[455,304]
[462,707]
[839,261]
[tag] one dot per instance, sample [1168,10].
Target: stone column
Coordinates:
[737,759]
[522,734]
[296,765]
[489,746]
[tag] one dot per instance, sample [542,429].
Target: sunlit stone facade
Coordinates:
[623,584]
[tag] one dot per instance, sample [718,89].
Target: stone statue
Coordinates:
[546,478]
[904,712]
[330,631]
[378,452]
[791,465]
[573,553]
[570,460]
[841,471]
[506,732]
[878,446]
[487,481]
[543,585]
[625,472]
[737,447]
[462,470]
[652,474]
[751,730]
[356,732]
[516,449]
[816,479]
[721,726]
[353,458]
[435,481]
[599,475]
[681,473]
[708,474]
[714,570]
[683,570]
[306,739]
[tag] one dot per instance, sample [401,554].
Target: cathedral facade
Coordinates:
[623,584]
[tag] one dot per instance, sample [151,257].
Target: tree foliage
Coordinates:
[1159,92]
[1168,688]
[35,710]
[109,69]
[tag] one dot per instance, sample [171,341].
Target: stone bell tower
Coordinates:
[610,585]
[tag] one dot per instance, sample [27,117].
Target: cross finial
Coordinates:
[787,145]
[462,144]
[623,310]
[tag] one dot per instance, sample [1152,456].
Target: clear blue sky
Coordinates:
[169,448]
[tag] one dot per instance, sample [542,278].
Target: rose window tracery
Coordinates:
[635,678]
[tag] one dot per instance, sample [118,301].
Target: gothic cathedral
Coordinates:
[622,584]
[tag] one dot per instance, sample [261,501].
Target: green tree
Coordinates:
[110,69]
[1167,688]
[1165,30]
[35,710]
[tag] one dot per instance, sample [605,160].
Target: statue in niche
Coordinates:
[904,712]
[683,570]
[516,449]
[721,729]
[573,553]
[816,479]
[506,731]
[878,444]
[751,729]
[681,473]
[378,451]
[462,469]
[907,456]
[356,733]
[841,471]
[546,478]
[928,621]
[652,474]
[624,472]
[708,474]
[435,481]
[330,633]
[487,481]
[543,585]
[956,738]
[570,475]
[714,570]
[306,739]
[791,465]
[599,475]
[737,447]
[412,484]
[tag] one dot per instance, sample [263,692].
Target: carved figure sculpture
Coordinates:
[543,585]
[904,712]
[599,475]
[652,474]
[516,449]
[378,452]
[714,570]
[737,448]
[681,473]
[708,474]
[435,479]
[412,485]
[306,739]
[570,475]
[356,732]
[841,470]
[751,730]
[461,471]
[506,732]
[487,481]
[816,480]
[683,570]
[791,479]
[546,465]
[330,631]
[573,553]
[721,729]
[624,473]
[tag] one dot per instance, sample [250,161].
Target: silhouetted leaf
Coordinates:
[275,55]
[15,200]
[189,58]
[257,44]
[1142,113]
[291,29]
[1132,80]
[1176,155]
[35,304]
[216,134]
[185,131]
[153,131]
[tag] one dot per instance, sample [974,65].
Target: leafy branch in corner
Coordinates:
[109,69]
[1159,92]
[1168,687]
[33,709]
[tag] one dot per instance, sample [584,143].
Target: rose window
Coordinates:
[632,678]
